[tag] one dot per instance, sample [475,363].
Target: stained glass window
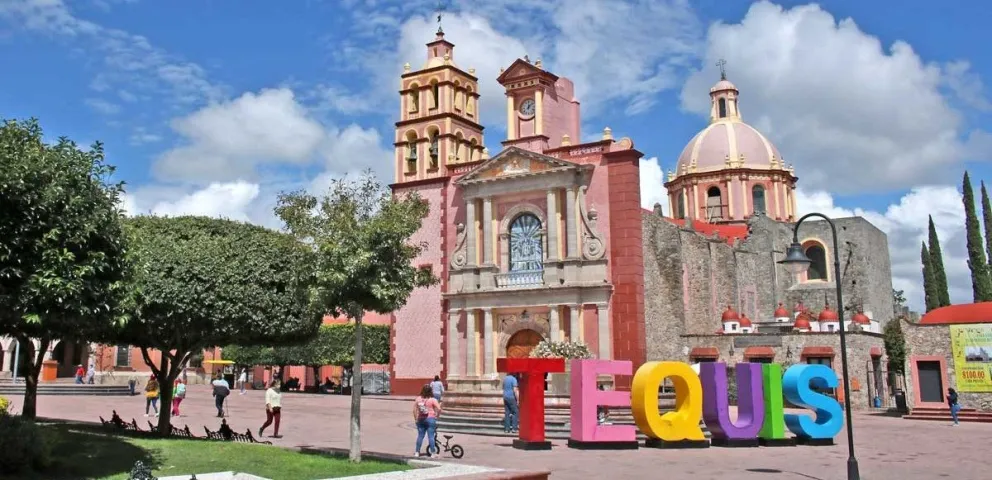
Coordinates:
[526,249]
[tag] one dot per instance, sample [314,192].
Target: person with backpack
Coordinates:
[221,390]
[425,412]
[151,395]
[178,394]
[952,401]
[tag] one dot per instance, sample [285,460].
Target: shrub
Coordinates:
[566,349]
[22,446]
[4,406]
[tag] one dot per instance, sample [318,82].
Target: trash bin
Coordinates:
[901,406]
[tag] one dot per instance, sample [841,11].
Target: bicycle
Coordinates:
[456,450]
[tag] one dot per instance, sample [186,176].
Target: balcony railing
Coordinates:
[519,279]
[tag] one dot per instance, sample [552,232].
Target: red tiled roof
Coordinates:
[727,232]
[704,352]
[817,352]
[966,313]
[759,352]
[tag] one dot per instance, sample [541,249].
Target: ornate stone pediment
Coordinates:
[521,68]
[514,162]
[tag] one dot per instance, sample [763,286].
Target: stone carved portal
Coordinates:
[522,343]
[513,324]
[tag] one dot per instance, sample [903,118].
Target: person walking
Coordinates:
[151,395]
[90,374]
[178,395]
[242,380]
[79,374]
[511,412]
[426,409]
[273,409]
[437,388]
[221,390]
[952,401]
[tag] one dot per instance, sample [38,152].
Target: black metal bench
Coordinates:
[225,433]
[118,423]
[176,431]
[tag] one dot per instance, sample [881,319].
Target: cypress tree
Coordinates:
[981,284]
[937,266]
[929,287]
[987,217]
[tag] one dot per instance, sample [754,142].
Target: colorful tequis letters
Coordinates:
[761,418]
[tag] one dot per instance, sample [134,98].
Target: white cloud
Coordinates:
[653,185]
[848,112]
[102,106]
[906,225]
[226,200]
[230,139]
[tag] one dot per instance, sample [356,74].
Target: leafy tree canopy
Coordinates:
[202,282]
[895,345]
[62,254]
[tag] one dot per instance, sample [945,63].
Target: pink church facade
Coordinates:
[540,242]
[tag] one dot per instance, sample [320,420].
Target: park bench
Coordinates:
[176,431]
[225,433]
[116,422]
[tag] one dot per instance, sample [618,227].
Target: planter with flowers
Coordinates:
[558,383]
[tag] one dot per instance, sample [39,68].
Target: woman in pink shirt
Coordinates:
[425,412]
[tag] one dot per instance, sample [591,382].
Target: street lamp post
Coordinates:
[797,262]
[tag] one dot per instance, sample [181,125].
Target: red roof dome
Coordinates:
[827,315]
[781,311]
[802,322]
[745,322]
[861,318]
[980,312]
[730,315]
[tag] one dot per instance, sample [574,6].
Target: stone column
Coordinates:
[696,210]
[454,362]
[555,324]
[511,124]
[573,323]
[472,362]
[730,200]
[487,231]
[570,227]
[539,113]
[553,225]
[470,229]
[778,211]
[605,352]
[745,197]
[488,352]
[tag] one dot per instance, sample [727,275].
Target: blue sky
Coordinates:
[214,108]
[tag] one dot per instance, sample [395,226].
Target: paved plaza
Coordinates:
[887,448]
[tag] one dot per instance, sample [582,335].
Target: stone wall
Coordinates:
[935,340]
[859,348]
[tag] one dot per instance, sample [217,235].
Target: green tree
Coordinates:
[62,255]
[981,282]
[898,298]
[895,345]
[987,220]
[202,282]
[937,264]
[361,233]
[929,285]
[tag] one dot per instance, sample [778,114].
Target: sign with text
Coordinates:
[971,346]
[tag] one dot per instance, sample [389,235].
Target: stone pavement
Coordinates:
[887,448]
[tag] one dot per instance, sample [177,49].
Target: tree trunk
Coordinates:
[166,375]
[355,453]
[30,408]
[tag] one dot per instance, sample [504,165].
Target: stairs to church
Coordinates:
[487,419]
[944,415]
[10,389]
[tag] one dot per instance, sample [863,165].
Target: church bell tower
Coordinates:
[439,125]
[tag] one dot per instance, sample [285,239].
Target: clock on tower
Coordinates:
[540,107]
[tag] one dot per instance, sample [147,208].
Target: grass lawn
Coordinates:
[81,452]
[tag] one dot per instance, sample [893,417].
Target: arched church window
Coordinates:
[435,94]
[469,108]
[758,199]
[818,266]
[433,150]
[714,204]
[723,107]
[680,212]
[411,152]
[458,95]
[526,247]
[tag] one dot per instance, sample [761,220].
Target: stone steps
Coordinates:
[67,389]
[970,415]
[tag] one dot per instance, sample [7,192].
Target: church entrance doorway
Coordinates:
[522,343]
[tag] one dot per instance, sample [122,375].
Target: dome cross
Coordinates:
[723,68]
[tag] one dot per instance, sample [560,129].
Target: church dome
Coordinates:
[802,322]
[828,315]
[745,322]
[781,311]
[861,318]
[730,315]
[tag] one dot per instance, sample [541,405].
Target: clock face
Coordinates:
[527,107]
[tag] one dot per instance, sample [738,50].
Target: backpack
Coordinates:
[422,408]
[181,390]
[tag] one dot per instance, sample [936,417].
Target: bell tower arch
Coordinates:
[439,117]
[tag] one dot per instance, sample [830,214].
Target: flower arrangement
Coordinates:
[565,349]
